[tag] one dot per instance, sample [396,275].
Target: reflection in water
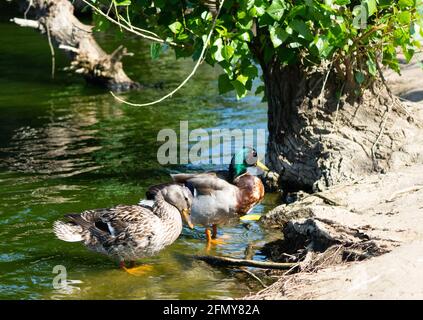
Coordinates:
[62,147]
[66,147]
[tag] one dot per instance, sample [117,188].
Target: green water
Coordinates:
[66,147]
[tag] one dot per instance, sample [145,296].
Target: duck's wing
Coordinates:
[109,224]
[90,222]
[198,183]
[222,174]
[202,183]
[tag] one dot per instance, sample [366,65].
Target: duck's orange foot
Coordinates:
[212,240]
[216,241]
[138,271]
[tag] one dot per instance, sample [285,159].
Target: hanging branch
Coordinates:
[131,29]
[200,60]
[53,58]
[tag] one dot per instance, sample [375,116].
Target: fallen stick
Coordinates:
[226,262]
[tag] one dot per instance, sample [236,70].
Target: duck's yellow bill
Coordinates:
[187,218]
[262,166]
[250,217]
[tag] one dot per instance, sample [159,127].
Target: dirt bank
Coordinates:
[361,240]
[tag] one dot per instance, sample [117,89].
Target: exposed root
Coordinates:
[344,235]
[55,18]
[317,243]
[53,59]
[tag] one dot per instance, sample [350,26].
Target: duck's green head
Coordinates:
[242,160]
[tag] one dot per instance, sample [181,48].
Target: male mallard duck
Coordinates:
[131,232]
[222,195]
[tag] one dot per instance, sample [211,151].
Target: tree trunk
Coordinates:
[55,19]
[317,140]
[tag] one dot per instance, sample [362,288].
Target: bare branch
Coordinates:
[27,23]
[68,48]
[226,262]
[130,29]
[194,70]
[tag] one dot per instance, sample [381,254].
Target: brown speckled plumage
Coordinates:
[128,232]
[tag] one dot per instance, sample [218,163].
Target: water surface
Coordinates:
[66,147]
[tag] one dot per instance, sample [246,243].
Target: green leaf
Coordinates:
[182,36]
[385,3]
[259,90]
[257,11]
[245,25]
[408,53]
[342,2]
[224,84]
[260,10]
[359,77]
[122,3]
[251,71]
[299,10]
[371,65]
[241,15]
[276,10]
[206,15]
[403,4]
[371,7]
[404,17]
[302,29]
[277,36]
[242,78]
[240,89]
[246,36]
[176,27]
[323,46]
[249,4]
[155,50]
[227,52]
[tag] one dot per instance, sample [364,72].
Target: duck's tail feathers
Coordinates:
[67,231]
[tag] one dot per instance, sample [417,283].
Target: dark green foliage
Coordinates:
[353,35]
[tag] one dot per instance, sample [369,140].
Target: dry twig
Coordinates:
[227,262]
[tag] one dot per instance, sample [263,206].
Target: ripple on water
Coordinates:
[72,147]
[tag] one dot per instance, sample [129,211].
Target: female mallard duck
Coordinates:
[132,232]
[222,195]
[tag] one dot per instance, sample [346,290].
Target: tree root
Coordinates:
[64,30]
